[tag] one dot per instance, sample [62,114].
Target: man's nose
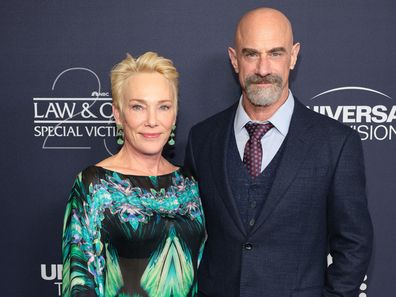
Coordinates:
[263,66]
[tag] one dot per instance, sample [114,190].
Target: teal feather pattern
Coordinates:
[111,202]
[170,271]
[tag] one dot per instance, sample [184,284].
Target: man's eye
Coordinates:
[276,54]
[251,54]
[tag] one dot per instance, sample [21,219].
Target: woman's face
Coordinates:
[148,112]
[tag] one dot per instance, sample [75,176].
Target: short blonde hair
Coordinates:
[146,63]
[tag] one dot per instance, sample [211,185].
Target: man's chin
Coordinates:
[260,99]
[258,102]
[262,102]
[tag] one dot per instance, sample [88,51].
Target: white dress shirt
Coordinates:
[273,139]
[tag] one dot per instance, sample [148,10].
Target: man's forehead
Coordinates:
[263,40]
[262,29]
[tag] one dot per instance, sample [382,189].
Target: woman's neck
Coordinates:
[129,161]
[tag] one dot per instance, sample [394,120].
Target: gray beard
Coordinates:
[263,96]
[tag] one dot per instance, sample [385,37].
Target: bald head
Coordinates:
[263,21]
[263,56]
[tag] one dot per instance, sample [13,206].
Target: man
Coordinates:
[281,186]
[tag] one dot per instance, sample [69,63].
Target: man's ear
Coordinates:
[233,58]
[294,54]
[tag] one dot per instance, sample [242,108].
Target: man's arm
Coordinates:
[349,225]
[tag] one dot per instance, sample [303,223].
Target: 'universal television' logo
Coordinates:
[356,109]
[70,122]
[52,273]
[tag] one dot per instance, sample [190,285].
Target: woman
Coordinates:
[134,224]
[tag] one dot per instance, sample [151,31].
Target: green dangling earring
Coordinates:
[172,135]
[120,135]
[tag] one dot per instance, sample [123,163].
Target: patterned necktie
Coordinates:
[252,157]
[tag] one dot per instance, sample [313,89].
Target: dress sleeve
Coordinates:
[82,250]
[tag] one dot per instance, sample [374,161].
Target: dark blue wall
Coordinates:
[345,44]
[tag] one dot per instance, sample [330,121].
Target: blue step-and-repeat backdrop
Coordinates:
[56,104]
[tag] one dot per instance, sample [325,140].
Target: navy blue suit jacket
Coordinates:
[317,204]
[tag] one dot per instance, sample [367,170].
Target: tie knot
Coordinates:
[257,130]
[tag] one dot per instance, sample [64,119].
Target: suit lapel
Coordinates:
[296,149]
[219,144]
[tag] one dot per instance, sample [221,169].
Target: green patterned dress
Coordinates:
[132,236]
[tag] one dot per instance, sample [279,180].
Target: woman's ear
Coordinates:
[117,115]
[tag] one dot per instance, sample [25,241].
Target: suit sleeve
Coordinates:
[349,224]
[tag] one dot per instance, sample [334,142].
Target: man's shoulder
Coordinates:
[320,121]
[215,121]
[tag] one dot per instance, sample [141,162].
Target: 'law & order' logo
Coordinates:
[73,122]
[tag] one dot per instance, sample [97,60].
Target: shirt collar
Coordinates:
[280,119]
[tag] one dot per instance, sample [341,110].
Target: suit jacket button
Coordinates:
[248,246]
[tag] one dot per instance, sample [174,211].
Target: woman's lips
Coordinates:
[151,135]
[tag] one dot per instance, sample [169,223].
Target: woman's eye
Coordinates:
[165,107]
[136,107]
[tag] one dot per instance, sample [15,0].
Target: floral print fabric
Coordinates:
[132,236]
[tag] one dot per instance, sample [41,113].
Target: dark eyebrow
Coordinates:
[249,51]
[277,49]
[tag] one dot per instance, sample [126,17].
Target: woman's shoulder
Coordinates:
[97,170]
[92,170]
[108,162]
[90,175]
[86,181]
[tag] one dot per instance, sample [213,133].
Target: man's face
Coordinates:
[263,57]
